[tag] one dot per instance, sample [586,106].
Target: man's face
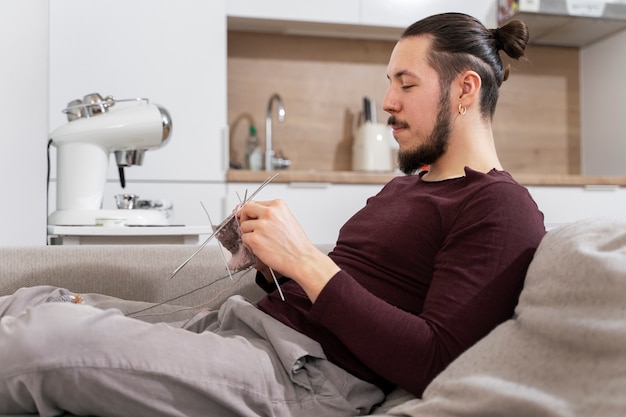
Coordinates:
[419,110]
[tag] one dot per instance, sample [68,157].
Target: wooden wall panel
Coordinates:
[323,80]
[537,123]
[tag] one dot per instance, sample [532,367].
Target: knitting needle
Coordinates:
[224,223]
[219,243]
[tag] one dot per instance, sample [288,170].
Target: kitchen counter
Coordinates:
[353,177]
[86,235]
[331,177]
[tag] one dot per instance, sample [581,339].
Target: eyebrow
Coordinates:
[403,73]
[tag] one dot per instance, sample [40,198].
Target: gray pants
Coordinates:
[88,359]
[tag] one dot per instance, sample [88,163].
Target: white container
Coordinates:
[372,150]
[254,156]
[255,159]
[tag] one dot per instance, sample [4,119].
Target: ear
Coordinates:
[469,83]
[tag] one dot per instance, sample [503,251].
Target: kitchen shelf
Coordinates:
[329,177]
[353,177]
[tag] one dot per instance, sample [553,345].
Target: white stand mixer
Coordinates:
[95,129]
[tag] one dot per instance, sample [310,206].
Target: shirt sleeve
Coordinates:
[477,277]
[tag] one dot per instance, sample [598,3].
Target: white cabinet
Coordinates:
[188,199]
[169,51]
[561,205]
[382,13]
[401,13]
[321,209]
[327,11]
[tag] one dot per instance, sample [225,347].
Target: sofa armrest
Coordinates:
[131,272]
[134,272]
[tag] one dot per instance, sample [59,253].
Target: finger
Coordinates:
[246,226]
[250,216]
[248,211]
[256,209]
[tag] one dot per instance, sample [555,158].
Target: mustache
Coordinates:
[394,121]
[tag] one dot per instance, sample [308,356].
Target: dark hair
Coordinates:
[461,42]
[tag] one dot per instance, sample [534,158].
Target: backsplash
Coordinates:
[322,82]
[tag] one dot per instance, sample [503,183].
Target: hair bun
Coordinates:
[512,38]
[496,37]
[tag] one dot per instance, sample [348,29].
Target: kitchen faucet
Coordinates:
[270,161]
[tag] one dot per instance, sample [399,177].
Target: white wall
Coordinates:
[24,117]
[603,107]
[170,51]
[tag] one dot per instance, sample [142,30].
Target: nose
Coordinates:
[390,104]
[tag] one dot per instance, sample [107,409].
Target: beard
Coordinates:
[435,145]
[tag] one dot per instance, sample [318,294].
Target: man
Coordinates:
[428,267]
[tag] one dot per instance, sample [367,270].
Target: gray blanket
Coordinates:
[564,352]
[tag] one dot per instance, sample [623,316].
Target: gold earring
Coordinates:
[462,110]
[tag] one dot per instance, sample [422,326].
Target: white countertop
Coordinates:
[91,235]
[129,230]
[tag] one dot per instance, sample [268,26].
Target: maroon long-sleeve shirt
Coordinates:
[427,269]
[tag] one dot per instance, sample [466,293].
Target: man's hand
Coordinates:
[278,241]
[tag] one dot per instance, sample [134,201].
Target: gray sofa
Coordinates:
[563,354]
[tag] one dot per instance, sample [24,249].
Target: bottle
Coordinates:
[254,157]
